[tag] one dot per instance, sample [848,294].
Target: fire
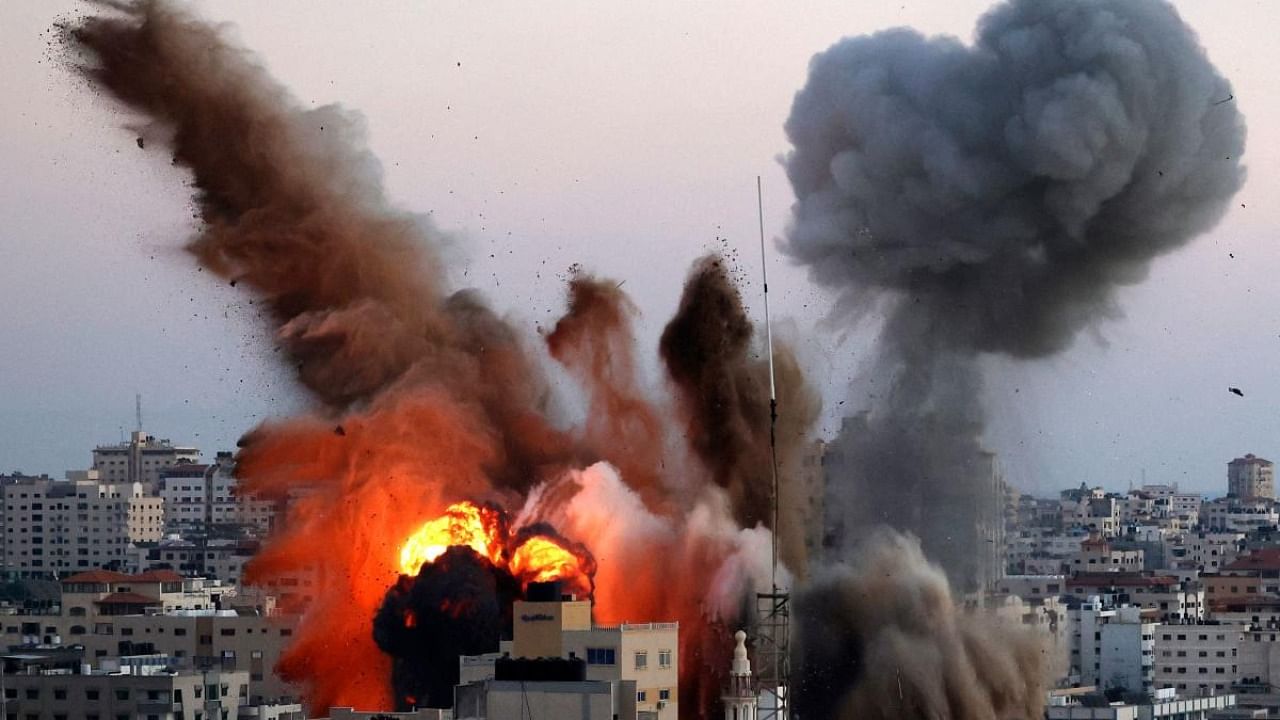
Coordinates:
[536,558]
[541,559]
[462,524]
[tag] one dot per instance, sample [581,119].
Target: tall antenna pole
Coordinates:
[137,403]
[773,390]
[773,609]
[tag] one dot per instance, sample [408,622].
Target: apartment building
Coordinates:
[1171,598]
[50,527]
[1096,554]
[198,497]
[57,685]
[222,560]
[1251,478]
[110,614]
[1113,648]
[1198,659]
[140,459]
[646,654]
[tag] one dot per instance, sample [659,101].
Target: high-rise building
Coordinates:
[199,496]
[1251,478]
[140,459]
[57,527]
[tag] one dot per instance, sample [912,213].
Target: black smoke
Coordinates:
[458,605]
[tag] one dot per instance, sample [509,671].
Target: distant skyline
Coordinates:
[626,139]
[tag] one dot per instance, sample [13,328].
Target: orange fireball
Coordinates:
[537,558]
[462,524]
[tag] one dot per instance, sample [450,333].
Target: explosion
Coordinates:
[460,573]
[532,554]
[425,399]
[993,198]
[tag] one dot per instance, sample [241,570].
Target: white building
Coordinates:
[1198,659]
[1113,648]
[1233,515]
[740,699]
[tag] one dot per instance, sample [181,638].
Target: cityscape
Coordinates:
[126,595]
[676,361]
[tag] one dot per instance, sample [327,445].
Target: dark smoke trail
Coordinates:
[992,198]
[723,396]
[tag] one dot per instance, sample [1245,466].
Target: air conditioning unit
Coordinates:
[662,704]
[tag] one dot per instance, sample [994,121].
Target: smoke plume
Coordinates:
[993,198]
[988,198]
[883,639]
[424,397]
[723,395]
[458,605]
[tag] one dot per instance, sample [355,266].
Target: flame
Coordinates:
[462,524]
[542,559]
[538,558]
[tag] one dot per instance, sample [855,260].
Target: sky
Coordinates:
[624,137]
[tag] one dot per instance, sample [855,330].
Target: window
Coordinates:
[228,632]
[601,656]
[179,632]
[642,660]
[664,694]
[122,693]
[91,693]
[59,693]
[664,658]
[33,694]
[641,695]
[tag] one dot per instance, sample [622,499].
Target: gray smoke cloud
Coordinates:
[915,657]
[989,198]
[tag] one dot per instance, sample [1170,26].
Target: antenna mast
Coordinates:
[773,609]
[137,409]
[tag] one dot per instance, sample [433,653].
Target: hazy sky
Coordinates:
[622,136]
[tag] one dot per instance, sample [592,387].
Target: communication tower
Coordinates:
[773,609]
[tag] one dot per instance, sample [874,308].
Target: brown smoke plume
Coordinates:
[723,395]
[426,398]
[882,639]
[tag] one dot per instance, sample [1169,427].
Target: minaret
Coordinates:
[740,699]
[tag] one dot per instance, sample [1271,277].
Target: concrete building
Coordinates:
[50,528]
[1165,705]
[1113,648]
[1238,515]
[1096,554]
[56,686]
[1198,659]
[200,497]
[110,615]
[1251,478]
[1172,599]
[1255,576]
[222,560]
[645,654]
[141,459]
[1205,551]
